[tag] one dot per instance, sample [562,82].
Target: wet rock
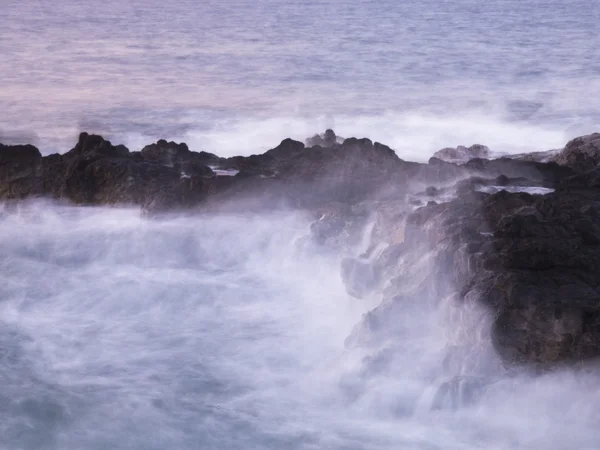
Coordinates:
[288,148]
[354,171]
[531,260]
[19,153]
[543,157]
[17,160]
[547,173]
[97,172]
[327,139]
[93,146]
[581,154]
[462,154]
[166,153]
[179,157]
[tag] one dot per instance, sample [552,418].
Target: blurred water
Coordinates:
[237,77]
[227,332]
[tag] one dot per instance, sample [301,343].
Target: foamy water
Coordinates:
[227,332]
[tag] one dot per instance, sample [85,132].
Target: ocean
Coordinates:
[238,77]
[229,331]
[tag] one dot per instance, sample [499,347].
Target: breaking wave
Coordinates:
[228,331]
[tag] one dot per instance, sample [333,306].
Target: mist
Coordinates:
[235,331]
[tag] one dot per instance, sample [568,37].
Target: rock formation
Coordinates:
[462,229]
[462,154]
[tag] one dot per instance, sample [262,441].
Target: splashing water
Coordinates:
[228,332]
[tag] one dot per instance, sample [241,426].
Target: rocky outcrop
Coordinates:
[543,156]
[179,157]
[475,233]
[533,261]
[462,154]
[97,172]
[327,139]
[582,153]
[17,160]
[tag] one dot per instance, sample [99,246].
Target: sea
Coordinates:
[229,331]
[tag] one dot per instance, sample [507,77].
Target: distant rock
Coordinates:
[462,154]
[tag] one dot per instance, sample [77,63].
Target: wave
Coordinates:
[227,331]
[414,136]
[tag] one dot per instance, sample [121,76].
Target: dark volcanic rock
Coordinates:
[582,153]
[286,150]
[532,261]
[16,163]
[18,153]
[327,139]
[97,172]
[549,173]
[544,156]
[180,158]
[166,153]
[348,173]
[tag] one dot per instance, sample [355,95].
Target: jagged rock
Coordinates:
[97,172]
[18,153]
[92,146]
[179,157]
[462,154]
[348,173]
[549,173]
[16,163]
[582,153]
[167,153]
[327,139]
[288,148]
[534,260]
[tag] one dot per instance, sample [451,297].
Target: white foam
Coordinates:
[220,330]
[224,172]
[414,136]
[534,190]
